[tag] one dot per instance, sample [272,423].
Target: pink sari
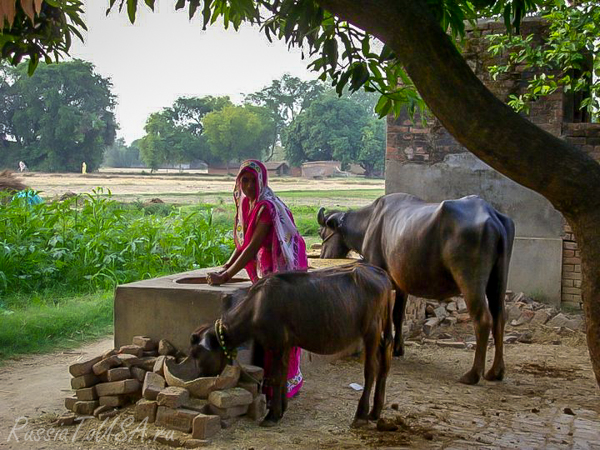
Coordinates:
[282,250]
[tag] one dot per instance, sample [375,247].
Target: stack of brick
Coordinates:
[111,380]
[206,405]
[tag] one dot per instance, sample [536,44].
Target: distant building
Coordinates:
[320,169]
[277,168]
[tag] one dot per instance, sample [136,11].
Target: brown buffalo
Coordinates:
[323,312]
[434,250]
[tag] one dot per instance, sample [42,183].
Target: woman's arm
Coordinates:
[260,232]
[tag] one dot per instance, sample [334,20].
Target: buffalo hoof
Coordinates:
[398,350]
[471,377]
[494,374]
[269,423]
[374,416]
[359,423]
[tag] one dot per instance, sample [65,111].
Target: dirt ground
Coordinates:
[548,400]
[185,188]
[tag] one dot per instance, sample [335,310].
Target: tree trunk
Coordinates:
[566,176]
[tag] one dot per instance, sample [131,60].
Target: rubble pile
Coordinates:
[427,319]
[165,388]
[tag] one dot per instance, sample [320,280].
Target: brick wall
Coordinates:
[585,136]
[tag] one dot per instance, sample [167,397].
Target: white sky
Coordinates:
[164,56]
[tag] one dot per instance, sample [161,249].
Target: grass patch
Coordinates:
[42,323]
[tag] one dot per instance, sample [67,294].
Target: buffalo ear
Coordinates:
[194,339]
[321,217]
[333,221]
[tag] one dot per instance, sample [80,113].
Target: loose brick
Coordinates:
[230,397]
[109,353]
[251,373]
[153,384]
[153,353]
[138,373]
[112,400]
[102,409]
[86,394]
[175,419]
[108,363]
[66,420]
[134,350]
[196,404]
[83,368]
[118,374]
[250,386]
[173,397]
[70,402]
[228,378]
[108,414]
[227,413]
[118,387]
[204,426]
[145,342]
[84,381]
[85,408]
[128,360]
[145,409]
[166,348]
[146,362]
[258,408]
[159,365]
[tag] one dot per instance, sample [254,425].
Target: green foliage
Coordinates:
[285,99]
[121,155]
[44,321]
[239,132]
[91,243]
[334,128]
[59,117]
[565,60]
[175,134]
[45,35]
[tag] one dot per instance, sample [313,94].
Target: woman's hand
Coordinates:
[217,278]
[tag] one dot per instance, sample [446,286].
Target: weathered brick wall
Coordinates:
[586,136]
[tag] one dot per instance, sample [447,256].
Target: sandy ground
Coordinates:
[548,400]
[176,188]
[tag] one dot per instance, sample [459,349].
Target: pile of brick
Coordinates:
[149,374]
[431,318]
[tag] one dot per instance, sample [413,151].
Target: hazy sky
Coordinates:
[164,56]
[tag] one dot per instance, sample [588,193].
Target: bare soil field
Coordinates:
[191,188]
[548,400]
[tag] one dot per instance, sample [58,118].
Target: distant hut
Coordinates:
[277,169]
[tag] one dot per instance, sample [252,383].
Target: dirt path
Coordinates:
[548,400]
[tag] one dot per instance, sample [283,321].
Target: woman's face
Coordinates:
[248,184]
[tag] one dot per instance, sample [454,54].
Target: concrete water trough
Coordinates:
[173,306]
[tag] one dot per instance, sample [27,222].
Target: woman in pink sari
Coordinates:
[266,241]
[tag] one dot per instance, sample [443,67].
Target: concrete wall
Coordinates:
[537,256]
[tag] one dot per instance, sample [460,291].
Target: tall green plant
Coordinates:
[91,242]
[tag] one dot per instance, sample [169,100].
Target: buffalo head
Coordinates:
[205,349]
[331,232]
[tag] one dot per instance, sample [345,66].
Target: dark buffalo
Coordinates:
[434,250]
[323,312]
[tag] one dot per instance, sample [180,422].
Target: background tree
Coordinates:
[236,133]
[332,128]
[175,134]
[121,155]
[285,99]
[59,117]
[371,154]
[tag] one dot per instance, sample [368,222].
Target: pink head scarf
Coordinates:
[287,248]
